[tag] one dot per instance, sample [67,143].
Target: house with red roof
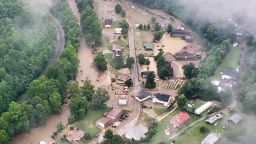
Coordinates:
[179,119]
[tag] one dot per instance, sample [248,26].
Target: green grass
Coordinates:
[123,43]
[87,124]
[159,111]
[231,60]
[160,133]
[194,136]
[109,57]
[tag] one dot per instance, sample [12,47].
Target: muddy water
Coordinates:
[37,134]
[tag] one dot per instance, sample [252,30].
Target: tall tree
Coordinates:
[100,98]
[78,107]
[88,90]
[150,82]
[55,102]
[118,8]
[100,62]
[190,71]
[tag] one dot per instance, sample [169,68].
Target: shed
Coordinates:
[118,30]
[108,23]
[48,140]
[145,74]
[75,135]
[115,114]
[149,46]
[211,138]
[143,95]
[235,118]
[104,122]
[180,119]
[203,107]
[122,102]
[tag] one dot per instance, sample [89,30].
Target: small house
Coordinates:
[235,118]
[123,77]
[104,122]
[214,118]
[108,23]
[179,119]
[161,98]
[114,114]
[229,73]
[203,107]
[211,138]
[184,56]
[181,34]
[122,102]
[142,96]
[48,140]
[118,30]
[149,46]
[74,135]
[145,74]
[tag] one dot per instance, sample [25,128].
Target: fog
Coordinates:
[243,11]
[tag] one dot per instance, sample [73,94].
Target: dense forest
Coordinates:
[46,93]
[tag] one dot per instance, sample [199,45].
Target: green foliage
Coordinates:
[119,63]
[140,27]
[158,35]
[148,27]
[128,83]
[129,62]
[150,81]
[87,90]
[100,62]
[118,8]
[142,60]
[81,4]
[157,27]
[151,132]
[190,71]
[123,13]
[164,69]
[60,127]
[169,28]
[78,107]
[110,138]
[182,101]
[91,27]
[99,99]
[4,137]
[55,102]
[124,25]
[204,130]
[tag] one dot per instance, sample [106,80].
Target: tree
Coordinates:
[4,137]
[88,90]
[123,13]
[182,101]
[100,98]
[150,82]
[141,59]
[204,130]
[140,27]
[55,102]
[129,62]
[148,27]
[75,89]
[78,107]
[169,28]
[100,62]
[158,35]
[144,27]
[60,127]
[128,82]
[110,138]
[118,8]
[119,63]
[157,27]
[190,71]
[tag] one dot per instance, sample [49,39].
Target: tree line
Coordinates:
[46,94]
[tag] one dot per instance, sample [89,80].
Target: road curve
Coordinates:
[59,46]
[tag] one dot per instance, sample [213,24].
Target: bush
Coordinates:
[87,136]
[204,130]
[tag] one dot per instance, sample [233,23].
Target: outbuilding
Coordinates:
[142,96]
[179,119]
[203,107]
[114,114]
[235,118]
[104,122]
[211,138]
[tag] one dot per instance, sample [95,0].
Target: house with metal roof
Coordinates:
[149,46]
[211,138]
[161,98]
[235,118]
[143,95]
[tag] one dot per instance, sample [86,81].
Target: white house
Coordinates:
[203,107]
[118,30]
[211,138]
[142,96]
[162,98]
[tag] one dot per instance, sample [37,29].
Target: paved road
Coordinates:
[60,43]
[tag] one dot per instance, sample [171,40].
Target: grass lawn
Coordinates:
[87,124]
[121,42]
[231,60]
[160,135]
[109,57]
[194,136]
[159,111]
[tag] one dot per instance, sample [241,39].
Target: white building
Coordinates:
[203,107]
[162,98]
[118,30]
[212,138]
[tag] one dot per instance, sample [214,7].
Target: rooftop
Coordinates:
[235,118]
[230,72]
[108,21]
[149,45]
[143,94]
[74,135]
[48,140]
[212,138]
[114,113]
[180,118]
[162,97]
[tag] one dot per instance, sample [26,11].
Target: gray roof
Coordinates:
[148,45]
[230,72]
[143,94]
[235,118]
[162,97]
[212,138]
[136,132]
